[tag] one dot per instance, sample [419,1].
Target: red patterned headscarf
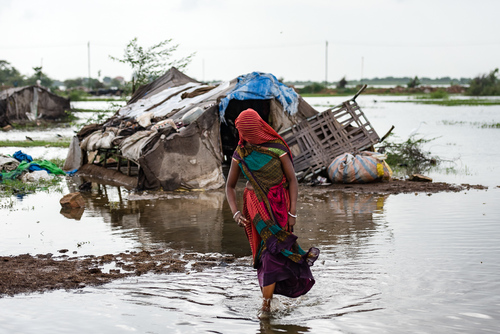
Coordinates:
[254,130]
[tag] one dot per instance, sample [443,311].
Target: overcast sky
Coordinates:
[366,38]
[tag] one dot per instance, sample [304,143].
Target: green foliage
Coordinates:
[484,85]
[342,83]
[59,162]
[80,83]
[409,156]
[482,125]
[453,102]
[315,87]
[17,187]
[77,95]
[9,75]
[439,94]
[395,81]
[39,76]
[149,63]
[99,116]
[35,143]
[413,83]
[73,83]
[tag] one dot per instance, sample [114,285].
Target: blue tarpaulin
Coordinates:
[20,156]
[261,86]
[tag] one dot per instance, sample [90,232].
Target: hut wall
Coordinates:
[19,104]
[25,103]
[51,106]
[191,159]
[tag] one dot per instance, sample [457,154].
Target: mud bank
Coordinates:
[394,187]
[45,272]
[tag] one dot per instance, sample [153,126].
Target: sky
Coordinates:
[314,40]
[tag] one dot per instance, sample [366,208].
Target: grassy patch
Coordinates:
[34,143]
[17,187]
[438,94]
[453,102]
[42,124]
[87,110]
[482,125]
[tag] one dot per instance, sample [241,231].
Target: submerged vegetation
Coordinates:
[438,94]
[34,143]
[409,157]
[482,125]
[17,187]
[451,102]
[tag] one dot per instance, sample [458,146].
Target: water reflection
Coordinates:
[202,221]
[72,213]
[266,327]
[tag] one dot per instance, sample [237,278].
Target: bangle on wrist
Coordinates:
[294,216]
[234,216]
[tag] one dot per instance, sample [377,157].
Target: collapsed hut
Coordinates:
[30,103]
[177,132]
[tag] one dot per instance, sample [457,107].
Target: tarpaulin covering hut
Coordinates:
[30,103]
[177,132]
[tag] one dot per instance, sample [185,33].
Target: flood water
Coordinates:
[407,263]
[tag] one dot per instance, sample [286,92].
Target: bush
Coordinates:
[342,83]
[313,88]
[486,84]
[77,95]
[439,94]
[415,82]
[409,156]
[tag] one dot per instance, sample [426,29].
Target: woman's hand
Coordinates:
[291,223]
[241,220]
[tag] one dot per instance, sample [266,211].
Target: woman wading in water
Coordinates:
[269,209]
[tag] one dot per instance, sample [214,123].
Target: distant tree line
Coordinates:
[482,85]
[11,77]
[392,81]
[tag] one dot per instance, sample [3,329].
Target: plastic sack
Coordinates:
[36,176]
[364,167]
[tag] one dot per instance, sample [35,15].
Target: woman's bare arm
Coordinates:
[232,179]
[293,186]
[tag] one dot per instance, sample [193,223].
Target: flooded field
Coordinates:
[407,263]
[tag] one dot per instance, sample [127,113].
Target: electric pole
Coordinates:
[362,65]
[326,64]
[88,47]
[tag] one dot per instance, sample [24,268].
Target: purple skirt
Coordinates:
[292,279]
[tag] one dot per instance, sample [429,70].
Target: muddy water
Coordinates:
[389,264]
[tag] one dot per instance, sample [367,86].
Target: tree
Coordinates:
[413,83]
[38,72]
[342,83]
[486,84]
[9,75]
[72,83]
[149,63]
[39,75]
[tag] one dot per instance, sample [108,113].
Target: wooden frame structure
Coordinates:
[104,154]
[317,141]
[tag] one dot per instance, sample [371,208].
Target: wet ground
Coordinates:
[65,270]
[393,258]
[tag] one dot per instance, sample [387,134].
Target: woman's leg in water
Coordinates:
[267,294]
